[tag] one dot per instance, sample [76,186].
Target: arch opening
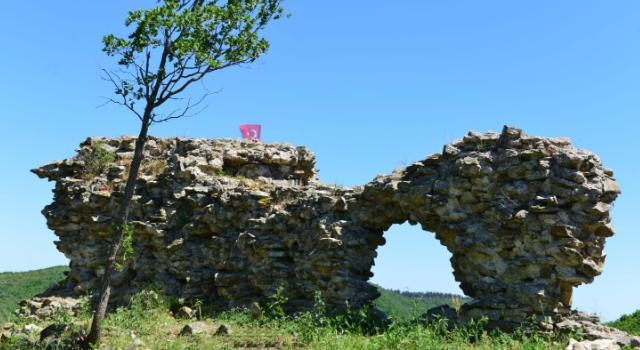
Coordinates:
[413,261]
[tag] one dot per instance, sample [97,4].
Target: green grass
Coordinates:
[149,321]
[627,323]
[16,286]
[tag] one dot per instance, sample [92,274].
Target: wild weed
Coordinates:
[274,309]
[96,159]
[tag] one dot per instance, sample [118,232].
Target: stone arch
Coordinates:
[525,218]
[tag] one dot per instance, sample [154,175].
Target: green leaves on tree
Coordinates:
[127,241]
[179,42]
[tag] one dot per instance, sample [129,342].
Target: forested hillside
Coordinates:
[15,286]
[405,305]
[427,295]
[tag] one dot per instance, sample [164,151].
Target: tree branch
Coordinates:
[189,106]
[119,85]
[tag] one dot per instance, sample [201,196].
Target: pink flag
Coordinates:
[250,131]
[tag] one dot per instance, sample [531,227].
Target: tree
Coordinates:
[173,46]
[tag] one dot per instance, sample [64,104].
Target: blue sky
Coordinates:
[367,86]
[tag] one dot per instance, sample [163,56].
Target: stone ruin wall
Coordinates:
[226,221]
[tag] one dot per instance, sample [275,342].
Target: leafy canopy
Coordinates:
[179,42]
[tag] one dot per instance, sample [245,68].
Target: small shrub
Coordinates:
[274,309]
[96,159]
[361,322]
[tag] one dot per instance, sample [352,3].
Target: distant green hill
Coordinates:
[403,305]
[15,286]
[627,323]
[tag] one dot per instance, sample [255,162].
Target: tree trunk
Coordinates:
[95,334]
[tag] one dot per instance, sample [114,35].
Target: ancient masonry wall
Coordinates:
[226,221]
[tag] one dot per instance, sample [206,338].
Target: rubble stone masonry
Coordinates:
[227,221]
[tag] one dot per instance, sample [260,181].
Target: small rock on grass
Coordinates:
[193,328]
[30,328]
[8,326]
[224,329]
[599,344]
[185,312]
[5,336]
[53,330]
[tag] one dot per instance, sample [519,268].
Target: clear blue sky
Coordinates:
[366,85]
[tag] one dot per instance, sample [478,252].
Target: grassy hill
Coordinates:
[15,286]
[405,305]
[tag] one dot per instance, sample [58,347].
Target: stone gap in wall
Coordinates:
[413,260]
